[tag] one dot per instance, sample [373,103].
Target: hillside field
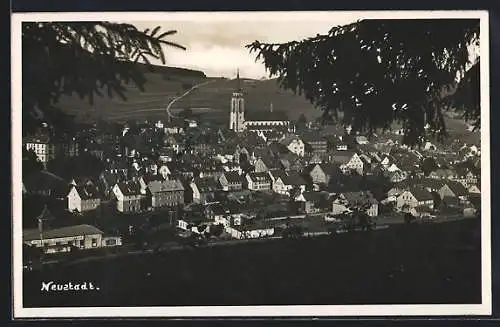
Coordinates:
[211,100]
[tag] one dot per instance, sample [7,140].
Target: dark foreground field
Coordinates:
[405,264]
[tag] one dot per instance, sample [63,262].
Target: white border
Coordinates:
[248,311]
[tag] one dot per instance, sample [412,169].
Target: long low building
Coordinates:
[63,239]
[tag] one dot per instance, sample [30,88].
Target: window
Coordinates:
[111,242]
[82,243]
[94,242]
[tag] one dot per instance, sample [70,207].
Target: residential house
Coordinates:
[294,144]
[203,190]
[231,181]
[108,179]
[397,176]
[453,193]
[258,181]
[283,183]
[67,147]
[314,143]
[291,162]
[312,202]
[466,176]
[348,161]
[43,147]
[83,198]
[173,142]
[413,197]
[442,174]
[360,200]
[166,193]
[474,189]
[164,172]
[322,173]
[263,164]
[430,184]
[129,197]
[361,140]
[428,146]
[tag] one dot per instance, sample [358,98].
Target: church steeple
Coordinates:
[237,113]
[238,81]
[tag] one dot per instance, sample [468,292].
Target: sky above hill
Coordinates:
[216,42]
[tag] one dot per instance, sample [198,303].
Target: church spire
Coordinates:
[238,82]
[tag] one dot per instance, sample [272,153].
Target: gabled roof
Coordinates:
[232,177]
[330,168]
[314,196]
[341,157]
[312,137]
[361,197]
[421,194]
[206,184]
[87,192]
[457,188]
[259,177]
[278,173]
[294,179]
[431,183]
[130,188]
[289,139]
[150,177]
[69,231]
[165,186]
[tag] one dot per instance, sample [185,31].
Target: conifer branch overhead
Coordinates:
[376,72]
[85,58]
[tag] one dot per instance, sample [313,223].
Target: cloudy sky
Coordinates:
[216,43]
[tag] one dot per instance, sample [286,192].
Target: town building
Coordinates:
[43,147]
[83,198]
[231,181]
[258,181]
[63,239]
[129,197]
[165,193]
[294,144]
[414,197]
[264,123]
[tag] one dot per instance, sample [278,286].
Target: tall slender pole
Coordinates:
[40,229]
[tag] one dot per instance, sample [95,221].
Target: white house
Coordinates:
[294,144]
[44,149]
[129,196]
[392,168]
[413,198]
[356,164]
[258,181]
[83,198]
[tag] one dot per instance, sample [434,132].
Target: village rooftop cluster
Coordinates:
[149,184]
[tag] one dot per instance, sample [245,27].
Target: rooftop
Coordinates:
[69,231]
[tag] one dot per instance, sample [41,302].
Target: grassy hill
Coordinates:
[211,100]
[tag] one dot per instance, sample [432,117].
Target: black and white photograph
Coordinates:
[251,164]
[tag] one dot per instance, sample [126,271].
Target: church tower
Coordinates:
[237,114]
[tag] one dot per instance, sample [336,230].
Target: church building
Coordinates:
[260,121]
